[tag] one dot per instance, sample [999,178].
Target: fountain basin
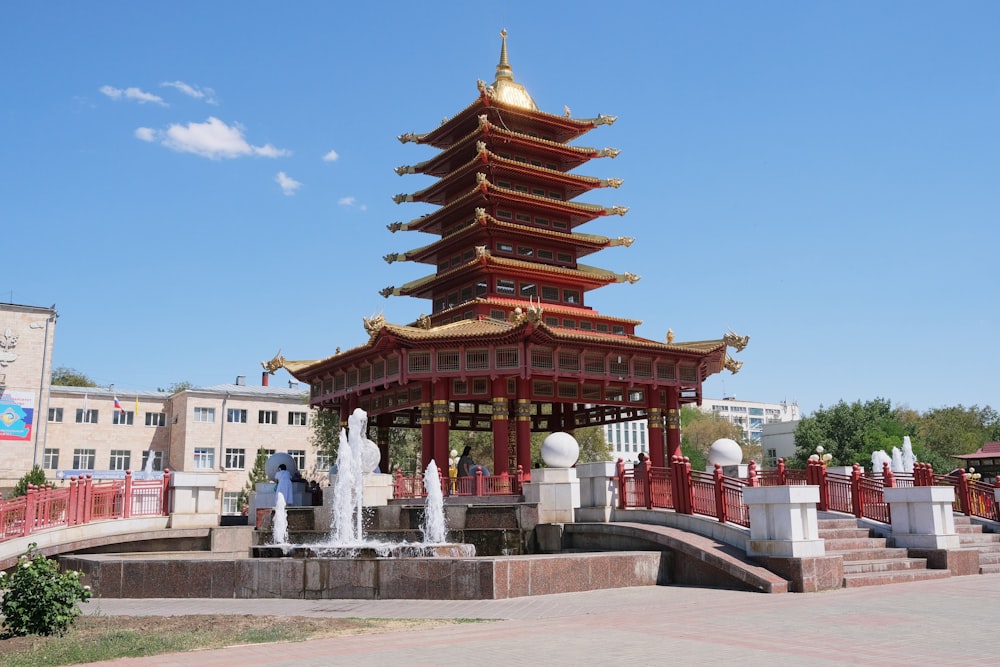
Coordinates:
[366,551]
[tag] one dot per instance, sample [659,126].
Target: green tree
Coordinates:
[700,429]
[258,473]
[35,476]
[63,376]
[176,387]
[849,432]
[325,432]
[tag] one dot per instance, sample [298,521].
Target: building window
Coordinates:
[506,248]
[235,458]
[204,414]
[529,289]
[550,293]
[121,459]
[770,459]
[157,460]
[50,459]
[122,418]
[231,502]
[267,417]
[505,286]
[299,456]
[571,296]
[86,416]
[323,461]
[204,458]
[83,459]
[297,418]
[235,416]
[55,415]
[268,453]
[156,419]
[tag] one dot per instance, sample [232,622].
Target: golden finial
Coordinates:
[503,67]
[670,335]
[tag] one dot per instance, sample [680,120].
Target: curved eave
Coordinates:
[696,350]
[547,307]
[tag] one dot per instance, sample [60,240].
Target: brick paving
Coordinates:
[929,622]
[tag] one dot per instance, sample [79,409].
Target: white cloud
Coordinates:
[197,92]
[216,140]
[346,201]
[332,156]
[136,94]
[288,184]
[145,133]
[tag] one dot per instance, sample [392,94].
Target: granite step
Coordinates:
[842,533]
[854,543]
[892,577]
[887,553]
[884,565]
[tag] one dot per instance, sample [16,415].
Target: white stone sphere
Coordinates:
[725,452]
[560,450]
[275,460]
[370,456]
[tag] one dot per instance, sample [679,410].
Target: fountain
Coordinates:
[279,534]
[901,461]
[434,527]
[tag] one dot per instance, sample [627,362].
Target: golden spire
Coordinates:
[504,72]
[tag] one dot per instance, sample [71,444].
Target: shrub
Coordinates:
[38,598]
[35,476]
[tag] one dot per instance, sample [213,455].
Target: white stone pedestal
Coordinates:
[557,493]
[194,500]
[598,491]
[922,517]
[783,521]
[377,489]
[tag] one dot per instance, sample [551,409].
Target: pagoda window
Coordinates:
[340,382]
[571,296]
[568,390]
[521,217]
[542,388]
[637,396]
[505,247]
[378,370]
[511,387]
[614,394]
[559,224]
[546,254]
[469,315]
[497,314]
[467,255]
[538,191]
[601,327]
[542,222]
[453,299]
[504,184]
[550,293]
[569,324]
[419,362]
[328,386]
[456,260]
[541,359]
[443,266]
[466,293]
[414,394]
[438,305]
[556,195]
[525,251]
[459,388]
[505,155]
[507,358]
[352,378]
[642,368]
[593,364]
[536,163]
[314,389]
[506,215]
[481,288]
[618,330]
[393,365]
[565,257]
[521,188]
[689,373]
[529,289]
[505,286]
[477,360]
[586,326]
[569,361]
[552,321]
[480,386]
[591,392]
[552,167]
[366,374]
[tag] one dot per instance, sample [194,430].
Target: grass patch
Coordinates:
[96,638]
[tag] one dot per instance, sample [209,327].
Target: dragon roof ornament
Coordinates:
[609,152]
[615,210]
[397,226]
[405,169]
[734,340]
[732,365]
[276,362]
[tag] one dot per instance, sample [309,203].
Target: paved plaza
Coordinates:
[930,623]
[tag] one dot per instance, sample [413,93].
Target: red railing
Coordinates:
[972,497]
[412,486]
[82,501]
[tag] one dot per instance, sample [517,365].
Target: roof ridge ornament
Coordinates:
[504,71]
[397,226]
[615,210]
[734,340]
[609,152]
[405,169]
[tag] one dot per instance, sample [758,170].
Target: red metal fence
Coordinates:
[82,501]
[713,494]
[412,486]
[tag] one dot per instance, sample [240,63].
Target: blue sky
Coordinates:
[196,185]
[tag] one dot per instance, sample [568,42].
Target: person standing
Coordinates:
[465,463]
[284,483]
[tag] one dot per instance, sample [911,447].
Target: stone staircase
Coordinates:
[971,536]
[867,560]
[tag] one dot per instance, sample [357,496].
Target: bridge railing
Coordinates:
[679,488]
[412,485]
[83,500]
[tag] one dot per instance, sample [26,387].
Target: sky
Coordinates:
[196,186]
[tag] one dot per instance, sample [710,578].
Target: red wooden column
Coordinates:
[426,427]
[383,421]
[673,422]
[524,425]
[441,413]
[654,419]
[501,428]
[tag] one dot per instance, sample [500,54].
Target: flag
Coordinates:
[118,406]
[137,405]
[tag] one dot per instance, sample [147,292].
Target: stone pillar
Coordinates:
[556,491]
[673,424]
[598,491]
[922,517]
[501,428]
[194,501]
[783,521]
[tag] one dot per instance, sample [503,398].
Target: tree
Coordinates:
[700,429]
[35,476]
[325,435]
[176,387]
[63,376]
[849,432]
[943,432]
[258,473]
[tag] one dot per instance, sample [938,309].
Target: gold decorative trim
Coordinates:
[654,418]
[673,418]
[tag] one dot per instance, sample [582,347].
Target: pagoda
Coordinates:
[510,345]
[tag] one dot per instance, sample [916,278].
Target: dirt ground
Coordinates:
[228,628]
